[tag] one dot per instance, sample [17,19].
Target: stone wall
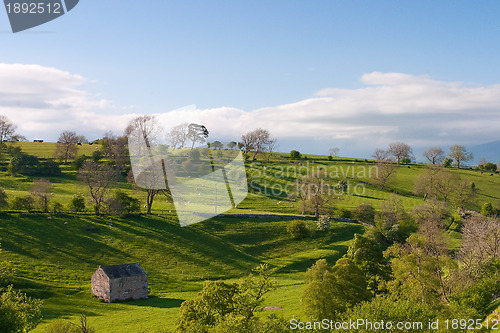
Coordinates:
[130,287]
[100,285]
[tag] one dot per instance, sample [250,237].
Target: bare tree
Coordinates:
[151,179]
[435,155]
[480,244]
[178,135]
[436,182]
[386,170]
[459,154]
[271,146]
[99,178]
[334,151]
[66,147]
[400,150]
[256,141]
[465,194]
[380,154]
[42,191]
[315,194]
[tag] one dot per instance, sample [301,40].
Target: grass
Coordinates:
[54,256]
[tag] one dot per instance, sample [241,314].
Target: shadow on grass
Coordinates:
[156,302]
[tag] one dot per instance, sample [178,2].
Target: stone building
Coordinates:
[120,282]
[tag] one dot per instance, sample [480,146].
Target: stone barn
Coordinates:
[120,282]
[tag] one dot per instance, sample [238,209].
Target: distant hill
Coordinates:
[490,151]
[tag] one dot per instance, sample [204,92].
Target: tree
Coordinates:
[115,149]
[23,203]
[436,182]
[459,154]
[367,256]
[295,155]
[197,134]
[480,244]
[331,290]
[66,147]
[177,136]
[219,301]
[386,170]
[333,151]
[231,145]
[393,223]
[380,154]
[77,204]
[487,209]
[465,194]
[435,155]
[217,145]
[98,178]
[315,194]
[256,141]
[400,150]
[7,132]
[271,146]
[41,190]
[18,312]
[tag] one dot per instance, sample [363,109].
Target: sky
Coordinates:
[317,74]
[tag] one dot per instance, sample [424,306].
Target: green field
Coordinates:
[54,255]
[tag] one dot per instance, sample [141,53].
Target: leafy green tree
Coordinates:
[23,164]
[323,223]
[331,290]
[367,255]
[447,162]
[18,312]
[122,203]
[393,223]
[295,155]
[298,229]
[390,309]
[226,304]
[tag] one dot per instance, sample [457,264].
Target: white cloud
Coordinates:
[390,106]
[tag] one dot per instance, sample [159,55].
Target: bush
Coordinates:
[364,212]
[122,203]
[194,154]
[57,207]
[345,213]
[295,155]
[323,223]
[406,160]
[330,158]
[77,204]
[23,203]
[187,166]
[487,209]
[78,162]
[298,229]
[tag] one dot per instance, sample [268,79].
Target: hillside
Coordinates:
[54,255]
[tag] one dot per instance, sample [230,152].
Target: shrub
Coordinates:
[406,160]
[78,162]
[330,157]
[57,207]
[295,155]
[194,154]
[187,166]
[364,212]
[447,162]
[323,223]
[23,203]
[77,204]
[345,213]
[130,205]
[298,229]
[487,209]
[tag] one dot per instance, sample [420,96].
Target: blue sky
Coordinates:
[358,68]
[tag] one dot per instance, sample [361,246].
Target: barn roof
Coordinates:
[125,270]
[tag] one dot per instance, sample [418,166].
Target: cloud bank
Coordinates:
[388,107]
